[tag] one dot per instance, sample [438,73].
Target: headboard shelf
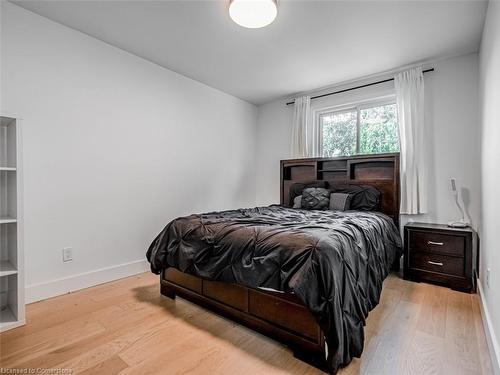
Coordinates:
[333,170]
[378,170]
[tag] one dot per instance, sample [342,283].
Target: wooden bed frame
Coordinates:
[282,315]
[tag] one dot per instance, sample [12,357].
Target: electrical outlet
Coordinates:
[67,254]
[488,277]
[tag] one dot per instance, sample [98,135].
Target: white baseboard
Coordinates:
[37,292]
[491,338]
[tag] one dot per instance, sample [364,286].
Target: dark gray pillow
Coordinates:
[297,202]
[315,199]
[340,201]
[297,188]
[363,197]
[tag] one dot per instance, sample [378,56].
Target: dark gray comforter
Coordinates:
[335,262]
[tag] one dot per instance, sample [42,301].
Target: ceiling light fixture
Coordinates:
[253,13]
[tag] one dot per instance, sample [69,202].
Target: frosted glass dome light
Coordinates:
[253,13]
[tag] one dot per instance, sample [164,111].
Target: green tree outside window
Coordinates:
[370,130]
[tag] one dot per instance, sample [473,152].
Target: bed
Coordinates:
[306,278]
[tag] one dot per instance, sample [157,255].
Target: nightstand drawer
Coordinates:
[438,263]
[437,243]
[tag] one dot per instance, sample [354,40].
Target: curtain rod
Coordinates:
[357,87]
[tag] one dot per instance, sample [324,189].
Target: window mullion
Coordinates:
[358,130]
[319,119]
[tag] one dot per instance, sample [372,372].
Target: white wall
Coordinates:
[489,90]
[454,146]
[114,148]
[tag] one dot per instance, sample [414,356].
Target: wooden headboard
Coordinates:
[380,171]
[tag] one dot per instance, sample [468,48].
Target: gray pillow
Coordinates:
[363,197]
[315,199]
[340,201]
[297,201]
[298,187]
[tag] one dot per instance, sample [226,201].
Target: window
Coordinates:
[368,129]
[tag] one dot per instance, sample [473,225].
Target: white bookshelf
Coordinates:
[11,249]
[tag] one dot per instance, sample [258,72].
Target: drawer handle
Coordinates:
[435,263]
[435,243]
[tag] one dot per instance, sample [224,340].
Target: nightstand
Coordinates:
[439,254]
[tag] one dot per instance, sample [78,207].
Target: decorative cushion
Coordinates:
[315,199]
[297,201]
[340,201]
[363,197]
[296,188]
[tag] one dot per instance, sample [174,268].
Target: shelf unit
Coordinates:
[11,249]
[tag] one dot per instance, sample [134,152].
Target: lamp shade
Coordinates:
[253,13]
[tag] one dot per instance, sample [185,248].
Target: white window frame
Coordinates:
[351,107]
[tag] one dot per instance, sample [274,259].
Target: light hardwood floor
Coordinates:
[127,327]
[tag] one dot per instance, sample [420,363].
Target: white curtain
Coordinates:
[305,132]
[410,101]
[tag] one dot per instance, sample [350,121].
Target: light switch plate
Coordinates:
[67,254]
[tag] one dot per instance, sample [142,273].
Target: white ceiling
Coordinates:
[311,43]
